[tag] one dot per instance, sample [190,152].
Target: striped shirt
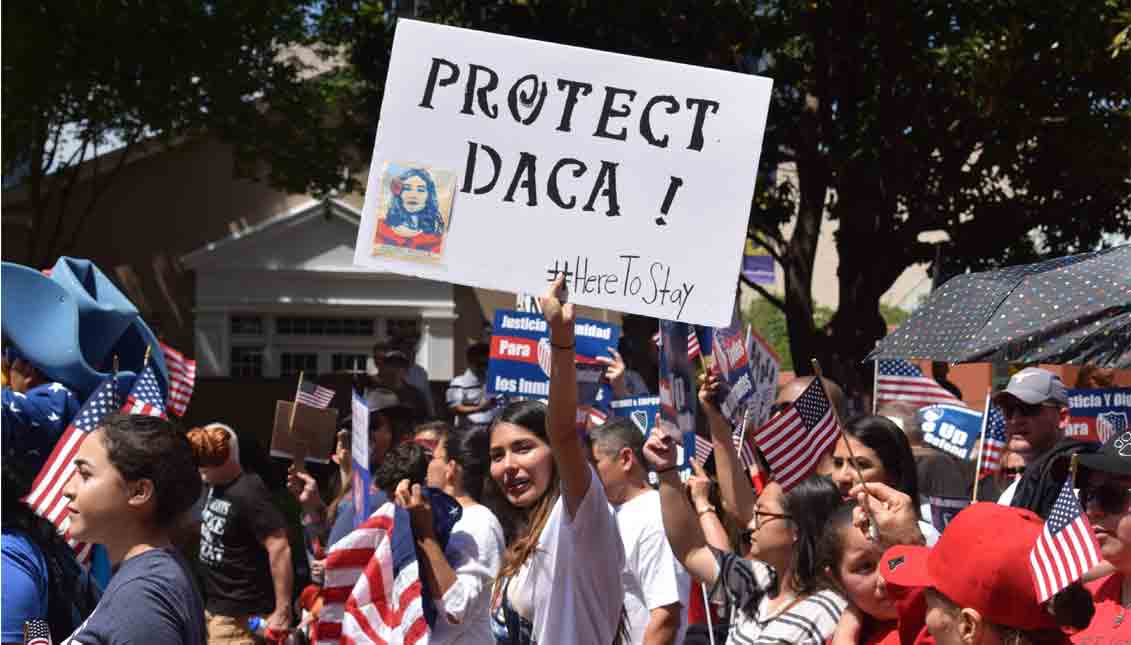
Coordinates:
[745,583]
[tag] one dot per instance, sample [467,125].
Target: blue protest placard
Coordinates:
[952,429]
[1098,415]
[359,455]
[734,367]
[640,410]
[677,388]
[519,362]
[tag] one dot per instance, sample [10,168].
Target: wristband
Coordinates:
[563,347]
[709,508]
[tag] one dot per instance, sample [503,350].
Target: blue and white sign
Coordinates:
[359,455]
[952,429]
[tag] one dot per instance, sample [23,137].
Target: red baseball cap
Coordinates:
[981,562]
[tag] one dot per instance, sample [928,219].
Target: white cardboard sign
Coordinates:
[500,162]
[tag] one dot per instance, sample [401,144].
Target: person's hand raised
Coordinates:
[893,514]
[411,498]
[709,383]
[558,313]
[614,372]
[660,451]
[699,486]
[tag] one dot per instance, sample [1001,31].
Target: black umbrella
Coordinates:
[1075,309]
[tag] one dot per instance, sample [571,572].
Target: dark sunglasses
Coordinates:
[1025,409]
[1111,499]
[1016,470]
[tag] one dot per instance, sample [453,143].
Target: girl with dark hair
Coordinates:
[560,579]
[135,478]
[878,451]
[776,595]
[461,575]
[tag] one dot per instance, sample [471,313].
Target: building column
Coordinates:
[437,343]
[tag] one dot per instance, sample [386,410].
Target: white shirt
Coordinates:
[571,585]
[467,389]
[1006,498]
[475,550]
[652,576]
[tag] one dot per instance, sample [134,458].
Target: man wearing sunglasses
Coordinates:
[1035,404]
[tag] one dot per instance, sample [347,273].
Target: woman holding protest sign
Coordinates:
[560,579]
[135,477]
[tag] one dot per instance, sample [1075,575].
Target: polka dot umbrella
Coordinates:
[1074,309]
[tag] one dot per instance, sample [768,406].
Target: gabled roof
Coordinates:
[318,235]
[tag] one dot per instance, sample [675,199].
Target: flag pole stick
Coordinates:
[114,385]
[981,446]
[875,385]
[299,457]
[742,430]
[145,361]
[294,405]
[873,528]
[707,610]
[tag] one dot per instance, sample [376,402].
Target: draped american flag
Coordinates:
[1066,548]
[372,592]
[182,379]
[145,396]
[994,442]
[313,395]
[46,495]
[897,380]
[794,441]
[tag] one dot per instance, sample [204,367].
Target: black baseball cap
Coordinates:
[1114,457]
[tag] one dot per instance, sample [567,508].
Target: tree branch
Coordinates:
[762,291]
[773,252]
[100,189]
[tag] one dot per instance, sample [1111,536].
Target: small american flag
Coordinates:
[182,379]
[703,449]
[313,395]
[794,441]
[994,442]
[693,348]
[46,495]
[145,396]
[1066,548]
[745,452]
[372,591]
[897,380]
[36,632]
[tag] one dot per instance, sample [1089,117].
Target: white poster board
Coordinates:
[501,161]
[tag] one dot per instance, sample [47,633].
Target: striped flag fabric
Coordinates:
[703,450]
[182,379]
[794,441]
[1066,548]
[693,347]
[313,395]
[994,442]
[745,452]
[37,632]
[46,494]
[898,380]
[372,591]
[145,396]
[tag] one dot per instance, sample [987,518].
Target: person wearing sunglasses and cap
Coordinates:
[1035,405]
[1105,494]
[978,584]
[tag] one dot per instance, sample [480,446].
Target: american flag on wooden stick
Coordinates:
[182,379]
[313,395]
[900,381]
[794,441]
[1066,548]
[145,396]
[994,442]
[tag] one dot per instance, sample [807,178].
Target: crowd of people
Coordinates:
[567,537]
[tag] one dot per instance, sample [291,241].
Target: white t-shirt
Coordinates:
[652,575]
[570,587]
[475,550]
[1006,498]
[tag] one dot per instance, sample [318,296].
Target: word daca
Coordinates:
[527,97]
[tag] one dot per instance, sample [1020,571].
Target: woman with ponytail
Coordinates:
[560,577]
[135,477]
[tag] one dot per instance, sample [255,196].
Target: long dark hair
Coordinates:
[809,504]
[830,548]
[891,446]
[470,449]
[145,447]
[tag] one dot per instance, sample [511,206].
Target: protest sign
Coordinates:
[519,363]
[677,381]
[359,455]
[953,429]
[734,366]
[640,410]
[943,509]
[312,435]
[764,368]
[1098,415]
[619,172]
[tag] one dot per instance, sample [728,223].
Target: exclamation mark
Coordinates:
[673,186]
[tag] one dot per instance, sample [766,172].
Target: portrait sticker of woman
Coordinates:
[414,211]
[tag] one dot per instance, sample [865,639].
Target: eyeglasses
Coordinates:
[1025,409]
[1108,498]
[759,522]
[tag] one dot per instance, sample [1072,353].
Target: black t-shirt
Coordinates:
[237,517]
[150,599]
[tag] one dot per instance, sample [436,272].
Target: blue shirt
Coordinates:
[23,579]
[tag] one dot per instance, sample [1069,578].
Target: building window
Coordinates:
[402,328]
[290,364]
[244,325]
[301,326]
[246,361]
[348,362]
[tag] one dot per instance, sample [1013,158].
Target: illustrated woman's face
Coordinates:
[414,194]
[521,464]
